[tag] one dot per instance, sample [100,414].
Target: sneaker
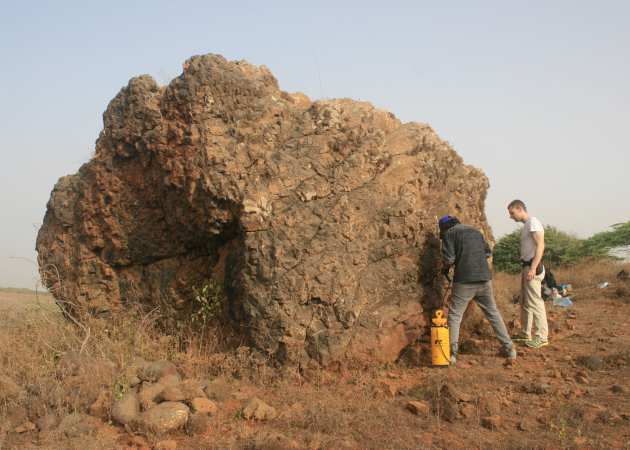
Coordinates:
[521,337]
[537,342]
[453,360]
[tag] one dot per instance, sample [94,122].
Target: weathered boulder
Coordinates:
[318,218]
[165,417]
[203,405]
[258,410]
[127,409]
[148,394]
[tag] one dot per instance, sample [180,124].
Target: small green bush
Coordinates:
[208,302]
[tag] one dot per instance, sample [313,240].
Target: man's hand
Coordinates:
[531,273]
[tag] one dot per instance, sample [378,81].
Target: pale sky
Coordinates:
[537,93]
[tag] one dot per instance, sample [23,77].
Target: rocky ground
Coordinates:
[572,394]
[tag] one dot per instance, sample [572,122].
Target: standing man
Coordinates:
[465,247]
[532,305]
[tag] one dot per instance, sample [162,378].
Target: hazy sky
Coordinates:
[535,93]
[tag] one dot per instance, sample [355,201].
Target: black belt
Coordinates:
[539,269]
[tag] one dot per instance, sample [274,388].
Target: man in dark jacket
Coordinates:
[465,247]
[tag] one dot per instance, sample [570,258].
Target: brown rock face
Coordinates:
[317,217]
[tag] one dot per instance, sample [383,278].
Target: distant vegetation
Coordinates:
[561,249]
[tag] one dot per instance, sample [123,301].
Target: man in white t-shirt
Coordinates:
[532,305]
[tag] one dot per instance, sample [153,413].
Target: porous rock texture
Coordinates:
[319,218]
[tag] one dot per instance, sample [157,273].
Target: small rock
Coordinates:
[198,424]
[25,427]
[173,394]
[259,410]
[127,409]
[165,417]
[154,371]
[491,422]
[419,408]
[203,405]
[166,445]
[148,394]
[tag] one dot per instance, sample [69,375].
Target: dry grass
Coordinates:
[54,366]
[589,274]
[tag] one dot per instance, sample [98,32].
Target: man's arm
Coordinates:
[448,250]
[539,238]
[487,247]
[488,254]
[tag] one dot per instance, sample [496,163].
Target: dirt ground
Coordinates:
[573,393]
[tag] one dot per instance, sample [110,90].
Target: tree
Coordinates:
[561,248]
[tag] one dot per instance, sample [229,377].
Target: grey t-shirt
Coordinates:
[465,247]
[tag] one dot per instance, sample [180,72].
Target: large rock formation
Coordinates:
[318,217]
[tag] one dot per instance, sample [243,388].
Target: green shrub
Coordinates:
[561,249]
[506,253]
[599,244]
[208,302]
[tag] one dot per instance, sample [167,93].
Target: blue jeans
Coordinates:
[483,294]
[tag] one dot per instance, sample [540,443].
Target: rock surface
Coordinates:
[126,410]
[317,218]
[165,417]
[258,410]
[203,405]
[419,408]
